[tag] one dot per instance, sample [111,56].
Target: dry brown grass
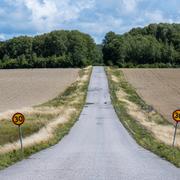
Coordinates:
[63,113]
[163,132]
[25,88]
[160,88]
[146,125]
[42,135]
[114,78]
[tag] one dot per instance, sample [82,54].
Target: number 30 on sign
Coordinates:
[18,119]
[176,115]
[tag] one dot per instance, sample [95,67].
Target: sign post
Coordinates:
[18,119]
[20,137]
[176,117]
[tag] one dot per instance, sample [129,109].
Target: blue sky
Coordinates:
[96,17]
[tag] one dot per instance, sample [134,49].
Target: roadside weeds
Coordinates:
[147,126]
[46,124]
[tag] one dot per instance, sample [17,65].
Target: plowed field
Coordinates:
[160,88]
[24,88]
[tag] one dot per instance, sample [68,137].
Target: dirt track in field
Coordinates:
[160,88]
[24,88]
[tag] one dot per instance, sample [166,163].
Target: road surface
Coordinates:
[97,148]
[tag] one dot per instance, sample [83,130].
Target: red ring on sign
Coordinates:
[18,119]
[173,114]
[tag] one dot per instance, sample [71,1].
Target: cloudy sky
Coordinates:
[96,17]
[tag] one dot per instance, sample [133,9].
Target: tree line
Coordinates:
[50,50]
[157,45]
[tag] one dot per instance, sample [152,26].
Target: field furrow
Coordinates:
[25,88]
[160,88]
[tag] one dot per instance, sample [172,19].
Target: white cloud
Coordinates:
[43,14]
[102,24]
[50,14]
[130,5]
[46,15]
[126,7]
[2,37]
[157,16]
[95,17]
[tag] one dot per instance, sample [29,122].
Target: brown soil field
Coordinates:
[25,88]
[160,88]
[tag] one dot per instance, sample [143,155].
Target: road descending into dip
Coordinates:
[27,87]
[97,148]
[160,88]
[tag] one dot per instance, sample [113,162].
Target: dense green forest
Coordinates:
[157,45]
[50,50]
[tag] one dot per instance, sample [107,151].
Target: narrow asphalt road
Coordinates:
[97,148]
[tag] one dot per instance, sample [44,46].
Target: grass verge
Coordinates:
[143,136]
[42,115]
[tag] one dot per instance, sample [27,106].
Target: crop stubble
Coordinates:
[24,88]
[160,88]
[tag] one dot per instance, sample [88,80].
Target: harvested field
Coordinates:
[146,125]
[160,88]
[45,124]
[24,88]
[42,120]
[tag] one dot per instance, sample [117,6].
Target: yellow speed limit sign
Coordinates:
[176,115]
[18,119]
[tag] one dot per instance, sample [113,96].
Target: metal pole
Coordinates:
[174,138]
[20,137]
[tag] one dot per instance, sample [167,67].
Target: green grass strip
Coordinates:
[142,136]
[62,130]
